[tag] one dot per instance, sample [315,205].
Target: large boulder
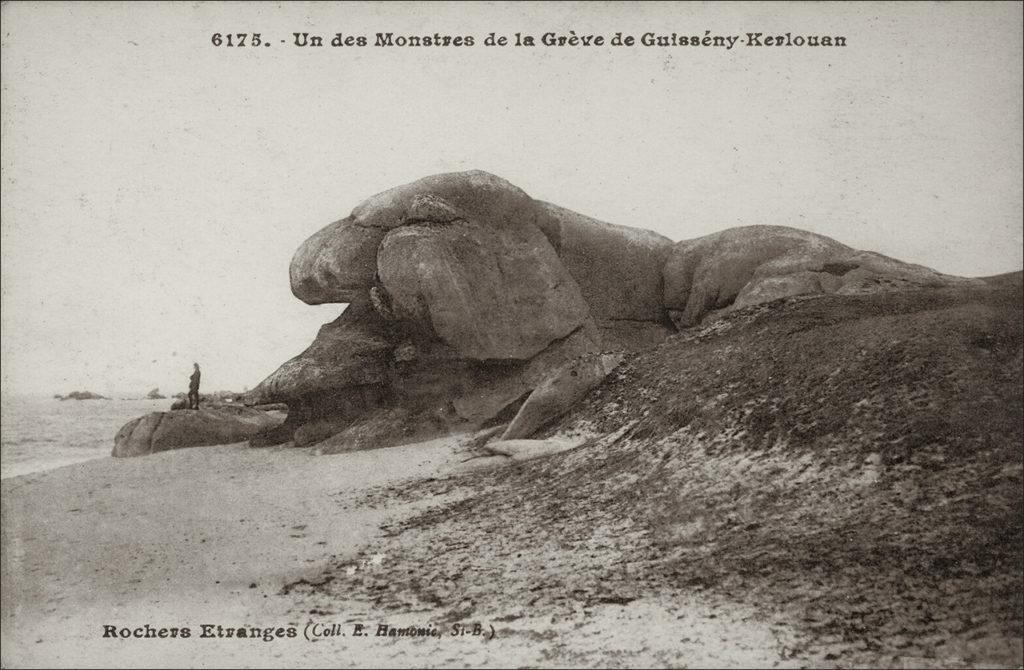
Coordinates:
[475,194]
[350,351]
[488,292]
[491,388]
[559,392]
[384,428]
[338,263]
[464,294]
[754,264]
[160,431]
[616,269]
[344,373]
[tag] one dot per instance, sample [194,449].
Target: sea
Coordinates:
[39,434]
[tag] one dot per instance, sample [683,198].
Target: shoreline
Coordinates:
[40,466]
[42,434]
[241,537]
[207,534]
[262,540]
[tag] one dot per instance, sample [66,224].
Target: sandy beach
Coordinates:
[500,334]
[230,536]
[640,529]
[182,538]
[662,535]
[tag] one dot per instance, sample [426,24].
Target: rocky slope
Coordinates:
[850,465]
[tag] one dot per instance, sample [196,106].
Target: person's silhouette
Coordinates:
[193,388]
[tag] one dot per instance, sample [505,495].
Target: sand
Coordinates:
[229,535]
[175,539]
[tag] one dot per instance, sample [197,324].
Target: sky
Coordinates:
[155,187]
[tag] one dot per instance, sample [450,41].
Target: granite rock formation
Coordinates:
[559,392]
[464,294]
[81,395]
[160,431]
[749,265]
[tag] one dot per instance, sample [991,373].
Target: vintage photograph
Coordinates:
[512,334]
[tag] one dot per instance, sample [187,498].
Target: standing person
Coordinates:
[193,387]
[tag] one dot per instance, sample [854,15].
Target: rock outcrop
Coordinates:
[488,293]
[616,269]
[619,271]
[559,392]
[351,351]
[745,266]
[160,431]
[464,294]
[338,263]
[81,395]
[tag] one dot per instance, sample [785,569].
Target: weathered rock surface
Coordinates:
[491,388]
[337,264]
[754,264]
[465,294]
[559,392]
[475,194]
[350,351]
[489,293]
[386,427]
[618,268]
[160,431]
